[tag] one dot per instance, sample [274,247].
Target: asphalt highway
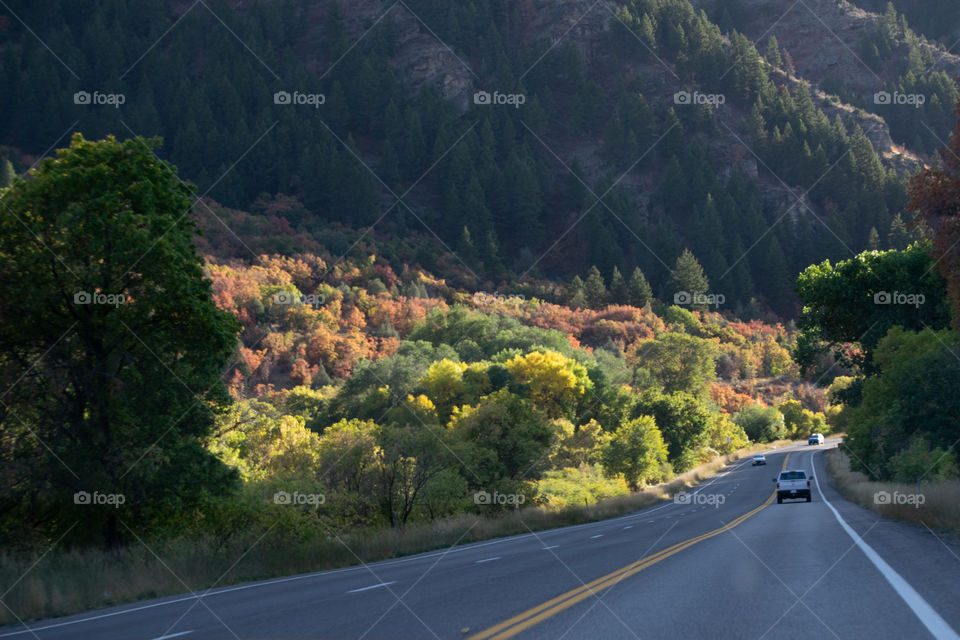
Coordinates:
[728,563]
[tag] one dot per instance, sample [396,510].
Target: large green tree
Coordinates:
[858,300]
[637,451]
[687,279]
[679,362]
[683,420]
[761,424]
[638,289]
[908,410]
[111,348]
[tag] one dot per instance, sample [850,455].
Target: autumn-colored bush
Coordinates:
[729,399]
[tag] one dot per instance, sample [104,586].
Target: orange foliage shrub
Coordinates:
[729,399]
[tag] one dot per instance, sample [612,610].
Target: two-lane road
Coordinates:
[731,563]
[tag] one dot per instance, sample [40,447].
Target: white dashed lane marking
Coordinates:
[373,586]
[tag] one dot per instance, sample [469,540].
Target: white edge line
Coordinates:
[373,586]
[304,576]
[487,560]
[936,625]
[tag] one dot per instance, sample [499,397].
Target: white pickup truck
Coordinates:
[792,484]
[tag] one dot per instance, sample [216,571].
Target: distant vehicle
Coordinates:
[758,460]
[792,485]
[815,438]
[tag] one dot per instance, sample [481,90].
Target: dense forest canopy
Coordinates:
[499,185]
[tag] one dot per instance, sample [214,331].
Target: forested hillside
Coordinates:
[870,61]
[936,19]
[502,185]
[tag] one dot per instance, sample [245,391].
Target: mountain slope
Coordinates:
[765,180]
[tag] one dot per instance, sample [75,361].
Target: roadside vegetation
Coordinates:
[67,581]
[940,508]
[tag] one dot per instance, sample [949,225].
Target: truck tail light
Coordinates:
[808,483]
[778,485]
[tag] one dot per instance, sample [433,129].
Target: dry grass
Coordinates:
[939,510]
[65,582]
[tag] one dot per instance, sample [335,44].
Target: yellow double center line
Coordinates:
[521,622]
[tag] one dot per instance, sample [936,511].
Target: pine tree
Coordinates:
[491,256]
[688,276]
[390,167]
[475,211]
[523,203]
[674,142]
[575,297]
[673,191]
[335,110]
[775,277]
[707,226]
[414,144]
[465,248]
[873,240]
[788,65]
[594,289]
[355,197]
[614,141]
[618,287]
[392,121]
[899,236]
[639,289]
[773,53]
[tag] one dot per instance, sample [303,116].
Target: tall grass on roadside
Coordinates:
[67,581]
[940,508]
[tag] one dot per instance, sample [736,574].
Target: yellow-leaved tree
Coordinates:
[555,382]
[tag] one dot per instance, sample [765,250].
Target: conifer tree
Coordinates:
[773,53]
[618,287]
[575,297]
[687,275]
[594,289]
[639,289]
[899,236]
